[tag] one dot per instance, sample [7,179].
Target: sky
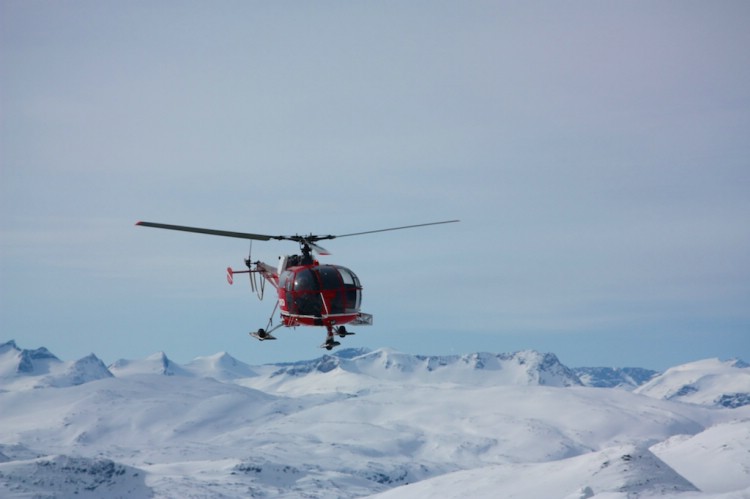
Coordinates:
[596,153]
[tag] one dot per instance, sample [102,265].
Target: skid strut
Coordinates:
[339,331]
[330,338]
[265,334]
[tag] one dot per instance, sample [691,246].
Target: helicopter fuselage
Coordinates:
[319,295]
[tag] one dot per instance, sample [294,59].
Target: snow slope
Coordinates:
[357,424]
[621,471]
[715,460]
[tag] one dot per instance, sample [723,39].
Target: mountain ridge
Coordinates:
[360,423]
[627,378]
[525,366]
[704,382]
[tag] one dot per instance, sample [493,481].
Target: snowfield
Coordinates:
[370,423]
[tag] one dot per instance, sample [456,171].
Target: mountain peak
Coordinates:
[89,368]
[8,345]
[350,353]
[738,363]
[157,363]
[14,360]
[221,366]
[23,368]
[165,364]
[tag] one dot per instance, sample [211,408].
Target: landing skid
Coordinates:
[329,344]
[262,335]
[342,332]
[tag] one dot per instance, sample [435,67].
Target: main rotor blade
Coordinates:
[311,239]
[318,249]
[225,233]
[392,228]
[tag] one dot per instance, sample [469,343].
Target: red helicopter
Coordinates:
[309,293]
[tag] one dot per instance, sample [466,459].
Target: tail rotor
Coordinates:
[257,288]
[249,264]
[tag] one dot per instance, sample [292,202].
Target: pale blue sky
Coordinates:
[597,153]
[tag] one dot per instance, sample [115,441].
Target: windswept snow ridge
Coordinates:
[364,422]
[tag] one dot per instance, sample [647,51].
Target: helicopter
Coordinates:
[308,293]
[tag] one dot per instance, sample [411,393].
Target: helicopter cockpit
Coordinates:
[320,290]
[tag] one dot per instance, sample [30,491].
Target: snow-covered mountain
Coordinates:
[21,368]
[526,367]
[707,382]
[626,378]
[359,423]
[14,361]
[220,366]
[157,363]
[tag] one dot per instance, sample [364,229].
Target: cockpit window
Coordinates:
[306,299]
[352,289]
[305,280]
[347,276]
[329,278]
